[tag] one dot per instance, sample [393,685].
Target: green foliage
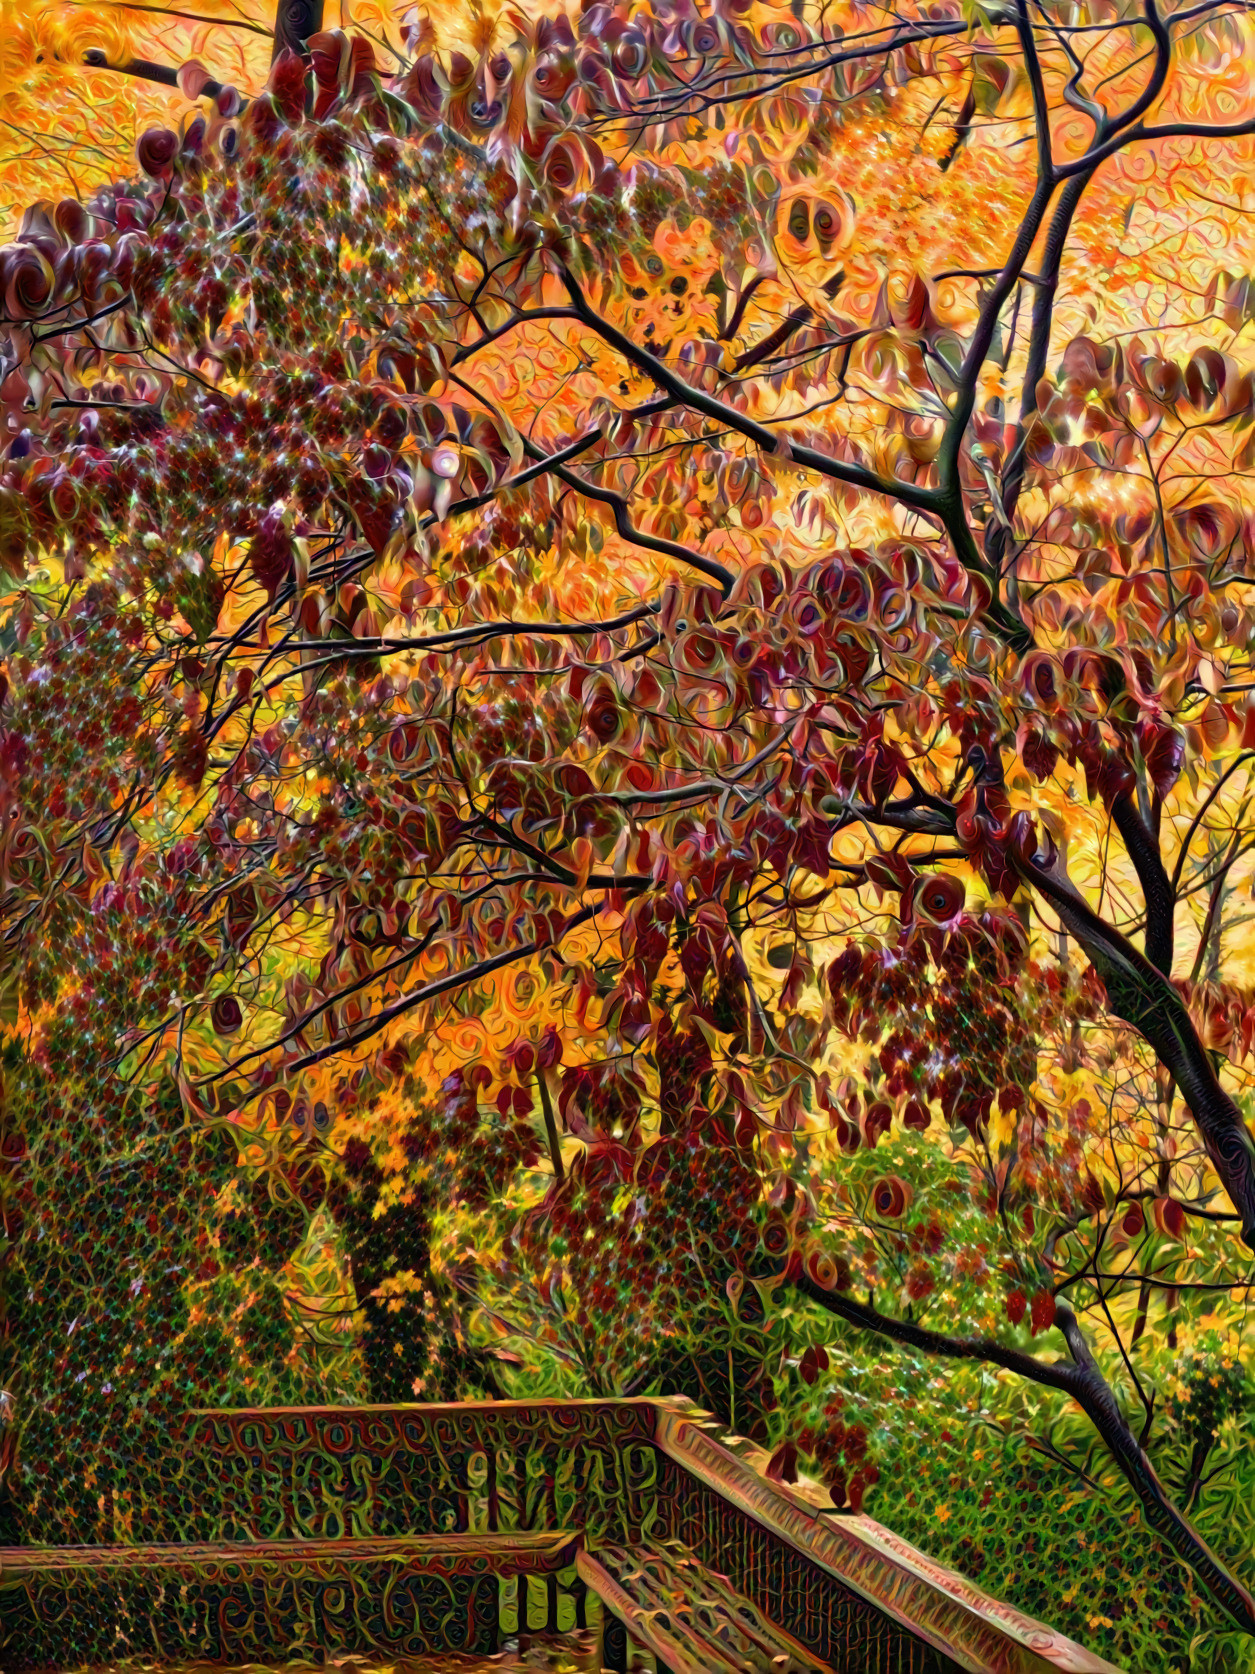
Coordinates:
[1001,1480]
[616,1283]
[128,1302]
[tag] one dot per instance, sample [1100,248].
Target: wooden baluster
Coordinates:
[524,1522]
[581,1470]
[462,1496]
[614,1642]
[552,1466]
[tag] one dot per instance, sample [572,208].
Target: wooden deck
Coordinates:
[287,1540]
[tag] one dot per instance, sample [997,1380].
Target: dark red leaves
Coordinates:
[26,279]
[156,150]
[878,773]
[263,121]
[1043,1312]
[362,67]
[1169,1218]
[331,56]
[775,1234]
[1039,755]
[920,1281]
[860,1482]
[270,554]
[939,900]
[1017,1306]
[1091,1194]
[1107,775]
[515,1102]
[876,1122]
[889,872]
[374,502]
[849,1137]
[811,848]
[981,829]
[287,86]
[1039,679]
[191,755]
[814,1363]
[890,1196]
[331,146]
[549,1049]
[1163,751]
[842,974]
[227,1014]
[782,1466]
[829,1273]
[522,1058]
[602,712]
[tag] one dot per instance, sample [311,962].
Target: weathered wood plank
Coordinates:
[691,1620]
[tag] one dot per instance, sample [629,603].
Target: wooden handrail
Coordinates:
[978,1632]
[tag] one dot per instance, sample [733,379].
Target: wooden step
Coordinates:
[692,1620]
[227,1602]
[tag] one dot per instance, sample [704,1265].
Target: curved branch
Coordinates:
[944,502]
[1084,1382]
[1096,1398]
[190,17]
[452,639]
[1045,283]
[1242,760]
[628,531]
[1165,130]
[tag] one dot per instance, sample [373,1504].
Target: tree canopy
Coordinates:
[626,649]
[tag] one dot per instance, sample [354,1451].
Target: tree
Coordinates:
[646,501]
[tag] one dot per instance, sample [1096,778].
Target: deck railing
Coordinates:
[636,1473]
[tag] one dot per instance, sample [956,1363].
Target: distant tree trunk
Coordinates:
[413,1338]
